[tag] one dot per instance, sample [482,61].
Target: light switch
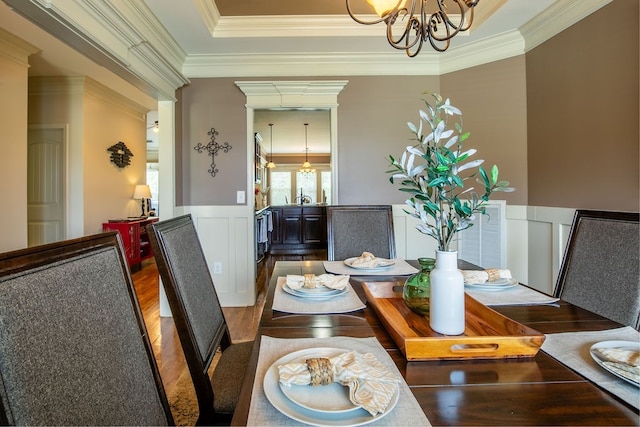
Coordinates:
[240,197]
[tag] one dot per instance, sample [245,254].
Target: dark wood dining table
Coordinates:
[528,391]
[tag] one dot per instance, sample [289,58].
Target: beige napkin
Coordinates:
[312,281]
[371,385]
[366,260]
[625,362]
[483,276]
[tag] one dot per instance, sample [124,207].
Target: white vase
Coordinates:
[447,295]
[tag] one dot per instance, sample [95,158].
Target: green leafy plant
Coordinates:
[430,172]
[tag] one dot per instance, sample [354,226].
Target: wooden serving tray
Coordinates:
[488,334]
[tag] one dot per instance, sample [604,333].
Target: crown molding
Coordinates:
[15,49]
[209,13]
[557,18]
[124,37]
[484,51]
[316,93]
[393,62]
[295,26]
[301,64]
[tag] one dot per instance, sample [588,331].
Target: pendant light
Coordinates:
[270,164]
[306,166]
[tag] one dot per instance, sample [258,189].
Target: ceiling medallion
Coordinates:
[437,21]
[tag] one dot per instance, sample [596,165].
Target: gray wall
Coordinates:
[582,93]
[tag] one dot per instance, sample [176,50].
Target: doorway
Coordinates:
[46,192]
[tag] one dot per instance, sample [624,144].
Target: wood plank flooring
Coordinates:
[242,321]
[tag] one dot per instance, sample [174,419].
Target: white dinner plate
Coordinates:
[383,264]
[494,286]
[330,398]
[316,293]
[629,345]
[325,416]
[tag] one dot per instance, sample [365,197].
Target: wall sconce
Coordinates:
[142,192]
[155,127]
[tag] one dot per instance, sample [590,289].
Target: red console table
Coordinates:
[134,238]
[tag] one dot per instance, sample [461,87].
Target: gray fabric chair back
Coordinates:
[73,344]
[352,230]
[193,301]
[600,270]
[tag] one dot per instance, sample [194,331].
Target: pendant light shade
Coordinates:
[306,166]
[270,164]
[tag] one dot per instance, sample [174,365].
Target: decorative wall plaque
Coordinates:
[212,149]
[120,154]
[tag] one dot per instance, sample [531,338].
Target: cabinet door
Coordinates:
[291,226]
[134,232]
[130,233]
[313,228]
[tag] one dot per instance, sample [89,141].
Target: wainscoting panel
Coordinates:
[548,233]
[528,240]
[226,236]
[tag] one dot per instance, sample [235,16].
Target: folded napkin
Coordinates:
[623,361]
[312,281]
[366,260]
[371,385]
[483,276]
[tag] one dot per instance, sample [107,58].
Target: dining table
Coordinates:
[549,388]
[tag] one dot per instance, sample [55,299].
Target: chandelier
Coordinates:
[306,166]
[270,164]
[437,21]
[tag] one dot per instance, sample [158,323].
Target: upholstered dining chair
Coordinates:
[199,319]
[74,349]
[354,229]
[599,271]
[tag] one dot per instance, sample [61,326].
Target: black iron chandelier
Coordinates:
[437,21]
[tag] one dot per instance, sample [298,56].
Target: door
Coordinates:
[46,193]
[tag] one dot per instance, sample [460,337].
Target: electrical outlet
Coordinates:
[240,197]
[217,268]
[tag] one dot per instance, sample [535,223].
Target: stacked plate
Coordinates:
[493,286]
[319,293]
[320,405]
[382,264]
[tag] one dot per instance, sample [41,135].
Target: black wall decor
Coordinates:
[212,149]
[120,154]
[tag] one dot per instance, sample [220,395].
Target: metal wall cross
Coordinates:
[213,148]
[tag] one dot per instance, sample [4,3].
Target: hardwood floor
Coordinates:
[242,321]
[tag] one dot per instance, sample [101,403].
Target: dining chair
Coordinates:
[599,270]
[74,349]
[352,230]
[199,319]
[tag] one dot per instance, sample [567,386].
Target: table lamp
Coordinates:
[142,192]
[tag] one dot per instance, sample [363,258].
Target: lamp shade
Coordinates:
[142,192]
[384,6]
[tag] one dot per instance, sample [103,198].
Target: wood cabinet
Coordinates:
[134,238]
[298,229]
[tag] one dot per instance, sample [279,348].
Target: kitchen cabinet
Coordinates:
[135,239]
[298,229]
